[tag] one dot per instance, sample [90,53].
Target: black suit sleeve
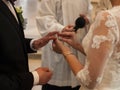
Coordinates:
[29,50]
[14,73]
[16,81]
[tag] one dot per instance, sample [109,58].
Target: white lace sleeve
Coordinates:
[100,48]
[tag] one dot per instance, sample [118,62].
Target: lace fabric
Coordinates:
[102,47]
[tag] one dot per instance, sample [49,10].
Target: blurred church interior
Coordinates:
[30,11]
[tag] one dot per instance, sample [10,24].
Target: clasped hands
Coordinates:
[68,36]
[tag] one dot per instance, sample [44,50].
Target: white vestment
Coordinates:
[55,15]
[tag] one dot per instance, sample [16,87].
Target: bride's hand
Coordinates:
[56,48]
[61,48]
[70,38]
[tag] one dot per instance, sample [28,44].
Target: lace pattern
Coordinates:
[98,39]
[83,76]
[111,36]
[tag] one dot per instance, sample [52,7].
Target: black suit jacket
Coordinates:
[14,72]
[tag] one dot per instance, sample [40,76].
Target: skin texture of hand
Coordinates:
[68,28]
[63,48]
[55,48]
[58,45]
[69,37]
[44,75]
[43,41]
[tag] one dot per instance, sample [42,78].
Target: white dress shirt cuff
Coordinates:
[31,46]
[36,77]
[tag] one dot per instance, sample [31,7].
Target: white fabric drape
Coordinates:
[55,15]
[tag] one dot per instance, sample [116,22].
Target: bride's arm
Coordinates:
[75,65]
[99,52]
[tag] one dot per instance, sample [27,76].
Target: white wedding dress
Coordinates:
[102,47]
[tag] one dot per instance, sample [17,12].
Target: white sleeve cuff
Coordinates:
[31,42]
[36,77]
